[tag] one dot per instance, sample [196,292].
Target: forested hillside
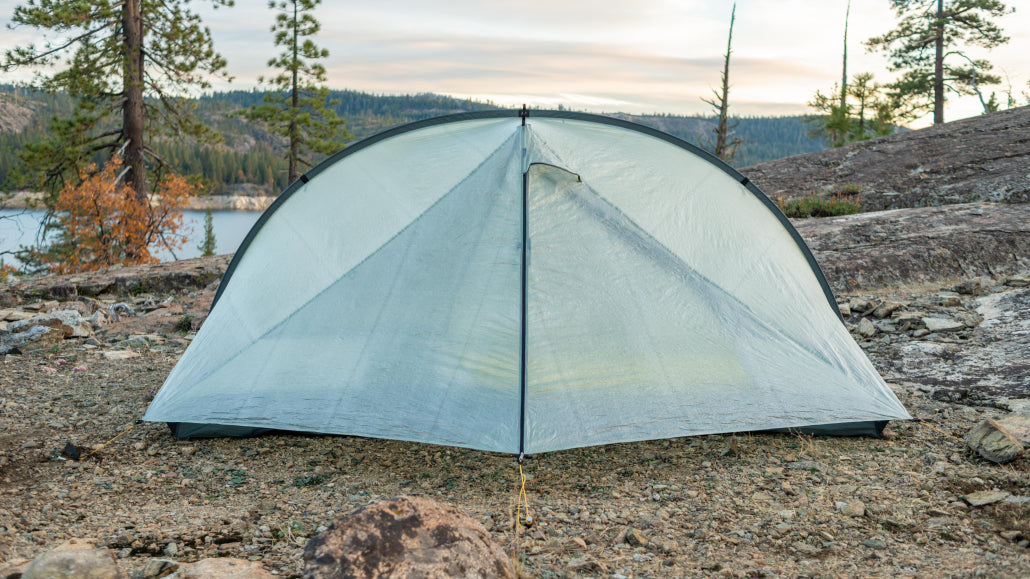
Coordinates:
[248,161]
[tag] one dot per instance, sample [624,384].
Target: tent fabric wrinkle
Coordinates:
[479,282]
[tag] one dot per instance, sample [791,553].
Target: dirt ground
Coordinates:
[746,505]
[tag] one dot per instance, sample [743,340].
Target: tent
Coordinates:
[523,282]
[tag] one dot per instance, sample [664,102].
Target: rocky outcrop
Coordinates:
[247,200]
[889,248]
[405,537]
[973,353]
[230,203]
[982,158]
[119,280]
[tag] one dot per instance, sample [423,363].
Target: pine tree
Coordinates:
[863,112]
[928,33]
[725,144]
[208,246]
[129,64]
[298,106]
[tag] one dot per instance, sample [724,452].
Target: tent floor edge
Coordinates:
[873,428]
[198,430]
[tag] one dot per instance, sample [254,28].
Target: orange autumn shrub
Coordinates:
[7,273]
[103,224]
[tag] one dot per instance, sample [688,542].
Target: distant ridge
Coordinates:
[984,158]
[249,164]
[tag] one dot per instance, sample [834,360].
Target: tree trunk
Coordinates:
[722,132]
[294,102]
[132,110]
[938,68]
[844,66]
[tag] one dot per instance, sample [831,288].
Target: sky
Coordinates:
[640,56]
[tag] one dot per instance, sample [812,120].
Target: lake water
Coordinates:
[19,227]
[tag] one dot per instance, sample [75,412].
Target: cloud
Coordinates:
[645,55]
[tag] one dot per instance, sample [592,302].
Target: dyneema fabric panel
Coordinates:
[416,341]
[641,332]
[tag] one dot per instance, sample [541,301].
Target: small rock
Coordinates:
[947,299]
[74,559]
[137,342]
[852,509]
[845,310]
[885,309]
[120,354]
[100,319]
[877,544]
[939,522]
[968,287]
[865,328]
[920,333]
[993,442]
[981,498]
[861,305]
[120,307]
[636,538]
[806,549]
[807,465]
[1013,536]
[156,569]
[224,568]
[641,558]
[942,325]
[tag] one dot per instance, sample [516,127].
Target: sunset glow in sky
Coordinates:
[597,55]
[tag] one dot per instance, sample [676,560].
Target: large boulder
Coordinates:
[69,322]
[74,559]
[405,537]
[993,442]
[30,340]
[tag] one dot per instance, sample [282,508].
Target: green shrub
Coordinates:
[184,324]
[308,481]
[813,205]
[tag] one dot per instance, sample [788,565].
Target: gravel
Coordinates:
[745,505]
